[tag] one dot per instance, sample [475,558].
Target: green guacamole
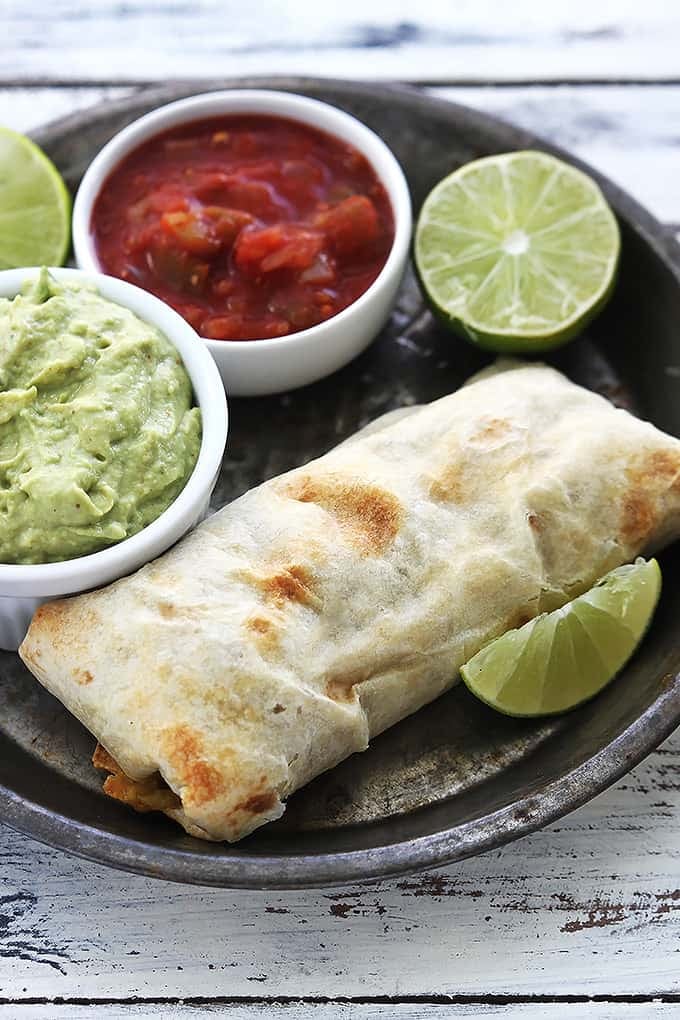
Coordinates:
[98,434]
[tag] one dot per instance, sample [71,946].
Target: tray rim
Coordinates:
[324,871]
[490,831]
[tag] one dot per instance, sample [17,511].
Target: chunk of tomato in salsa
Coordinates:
[284,246]
[252,227]
[351,225]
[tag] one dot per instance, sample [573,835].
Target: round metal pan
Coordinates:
[455,779]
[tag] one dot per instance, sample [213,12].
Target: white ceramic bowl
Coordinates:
[24,587]
[251,368]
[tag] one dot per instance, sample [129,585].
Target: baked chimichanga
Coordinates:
[330,602]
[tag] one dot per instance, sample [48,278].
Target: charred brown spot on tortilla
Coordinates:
[653,475]
[448,485]
[492,429]
[83,677]
[167,610]
[265,631]
[258,803]
[259,624]
[457,478]
[369,515]
[290,584]
[660,465]
[48,613]
[278,708]
[203,782]
[49,619]
[150,794]
[160,572]
[638,517]
[534,522]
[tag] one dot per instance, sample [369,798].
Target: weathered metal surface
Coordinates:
[454,779]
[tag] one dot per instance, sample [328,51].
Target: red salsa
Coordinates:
[249,226]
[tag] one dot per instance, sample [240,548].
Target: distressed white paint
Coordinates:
[469,40]
[24,109]
[338,1011]
[590,906]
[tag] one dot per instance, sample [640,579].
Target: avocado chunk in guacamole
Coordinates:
[98,432]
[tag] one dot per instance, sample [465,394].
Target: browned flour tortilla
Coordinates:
[327,604]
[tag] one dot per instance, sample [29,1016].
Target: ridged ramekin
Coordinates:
[257,367]
[24,587]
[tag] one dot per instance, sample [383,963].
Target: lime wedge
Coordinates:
[563,658]
[35,207]
[517,252]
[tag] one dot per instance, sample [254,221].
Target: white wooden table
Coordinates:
[586,912]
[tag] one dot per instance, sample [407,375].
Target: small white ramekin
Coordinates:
[257,367]
[24,587]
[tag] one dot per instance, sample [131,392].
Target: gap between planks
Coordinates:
[334,1010]
[545,111]
[471,42]
[342,1000]
[424,83]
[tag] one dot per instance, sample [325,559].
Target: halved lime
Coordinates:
[35,207]
[517,252]
[563,658]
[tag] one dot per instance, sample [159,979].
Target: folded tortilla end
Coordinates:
[154,794]
[150,794]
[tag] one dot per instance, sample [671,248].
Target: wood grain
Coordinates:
[589,906]
[351,1011]
[438,41]
[26,108]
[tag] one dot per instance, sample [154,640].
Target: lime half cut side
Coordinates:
[517,252]
[35,206]
[566,657]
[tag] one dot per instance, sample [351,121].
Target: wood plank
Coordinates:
[627,132]
[481,41]
[597,894]
[590,906]
[25,109]
[352,1011]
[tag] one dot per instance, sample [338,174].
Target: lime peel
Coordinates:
[35,206]
[517,252]
[561,659]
